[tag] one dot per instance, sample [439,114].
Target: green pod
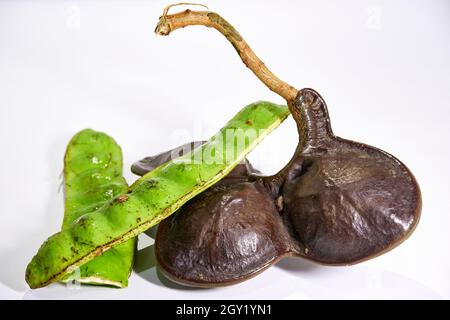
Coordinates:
[154,196]
[92,177]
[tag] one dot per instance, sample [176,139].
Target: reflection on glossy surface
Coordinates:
[289,279]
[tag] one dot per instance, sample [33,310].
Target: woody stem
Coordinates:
[168,23]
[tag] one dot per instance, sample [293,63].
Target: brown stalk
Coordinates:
[170,22]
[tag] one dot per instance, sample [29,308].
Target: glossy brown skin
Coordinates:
[350,201]
[336,202]
[225,235]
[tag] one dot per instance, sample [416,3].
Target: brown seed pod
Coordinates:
[225,235]
[349,201]
[336,202]
[341,202]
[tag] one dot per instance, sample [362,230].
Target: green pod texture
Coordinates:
[154,196]
[92,177]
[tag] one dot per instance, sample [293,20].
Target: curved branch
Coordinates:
[168,23]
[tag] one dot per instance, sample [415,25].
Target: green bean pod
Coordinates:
[92,177]
[154,196]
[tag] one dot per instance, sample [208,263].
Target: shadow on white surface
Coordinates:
[297,265]
[152,232]
[292,278]
[353,282]
[145,267]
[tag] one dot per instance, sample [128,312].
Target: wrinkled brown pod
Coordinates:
[341,202]
[336,202]
[225,235]
[346,201]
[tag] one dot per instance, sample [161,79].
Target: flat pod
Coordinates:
[153,197]
[92,177]
[147,164]
[227,234]
[350,201]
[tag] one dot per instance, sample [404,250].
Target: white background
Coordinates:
[382,66]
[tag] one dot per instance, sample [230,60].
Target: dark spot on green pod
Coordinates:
[148,184]
[122,198]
